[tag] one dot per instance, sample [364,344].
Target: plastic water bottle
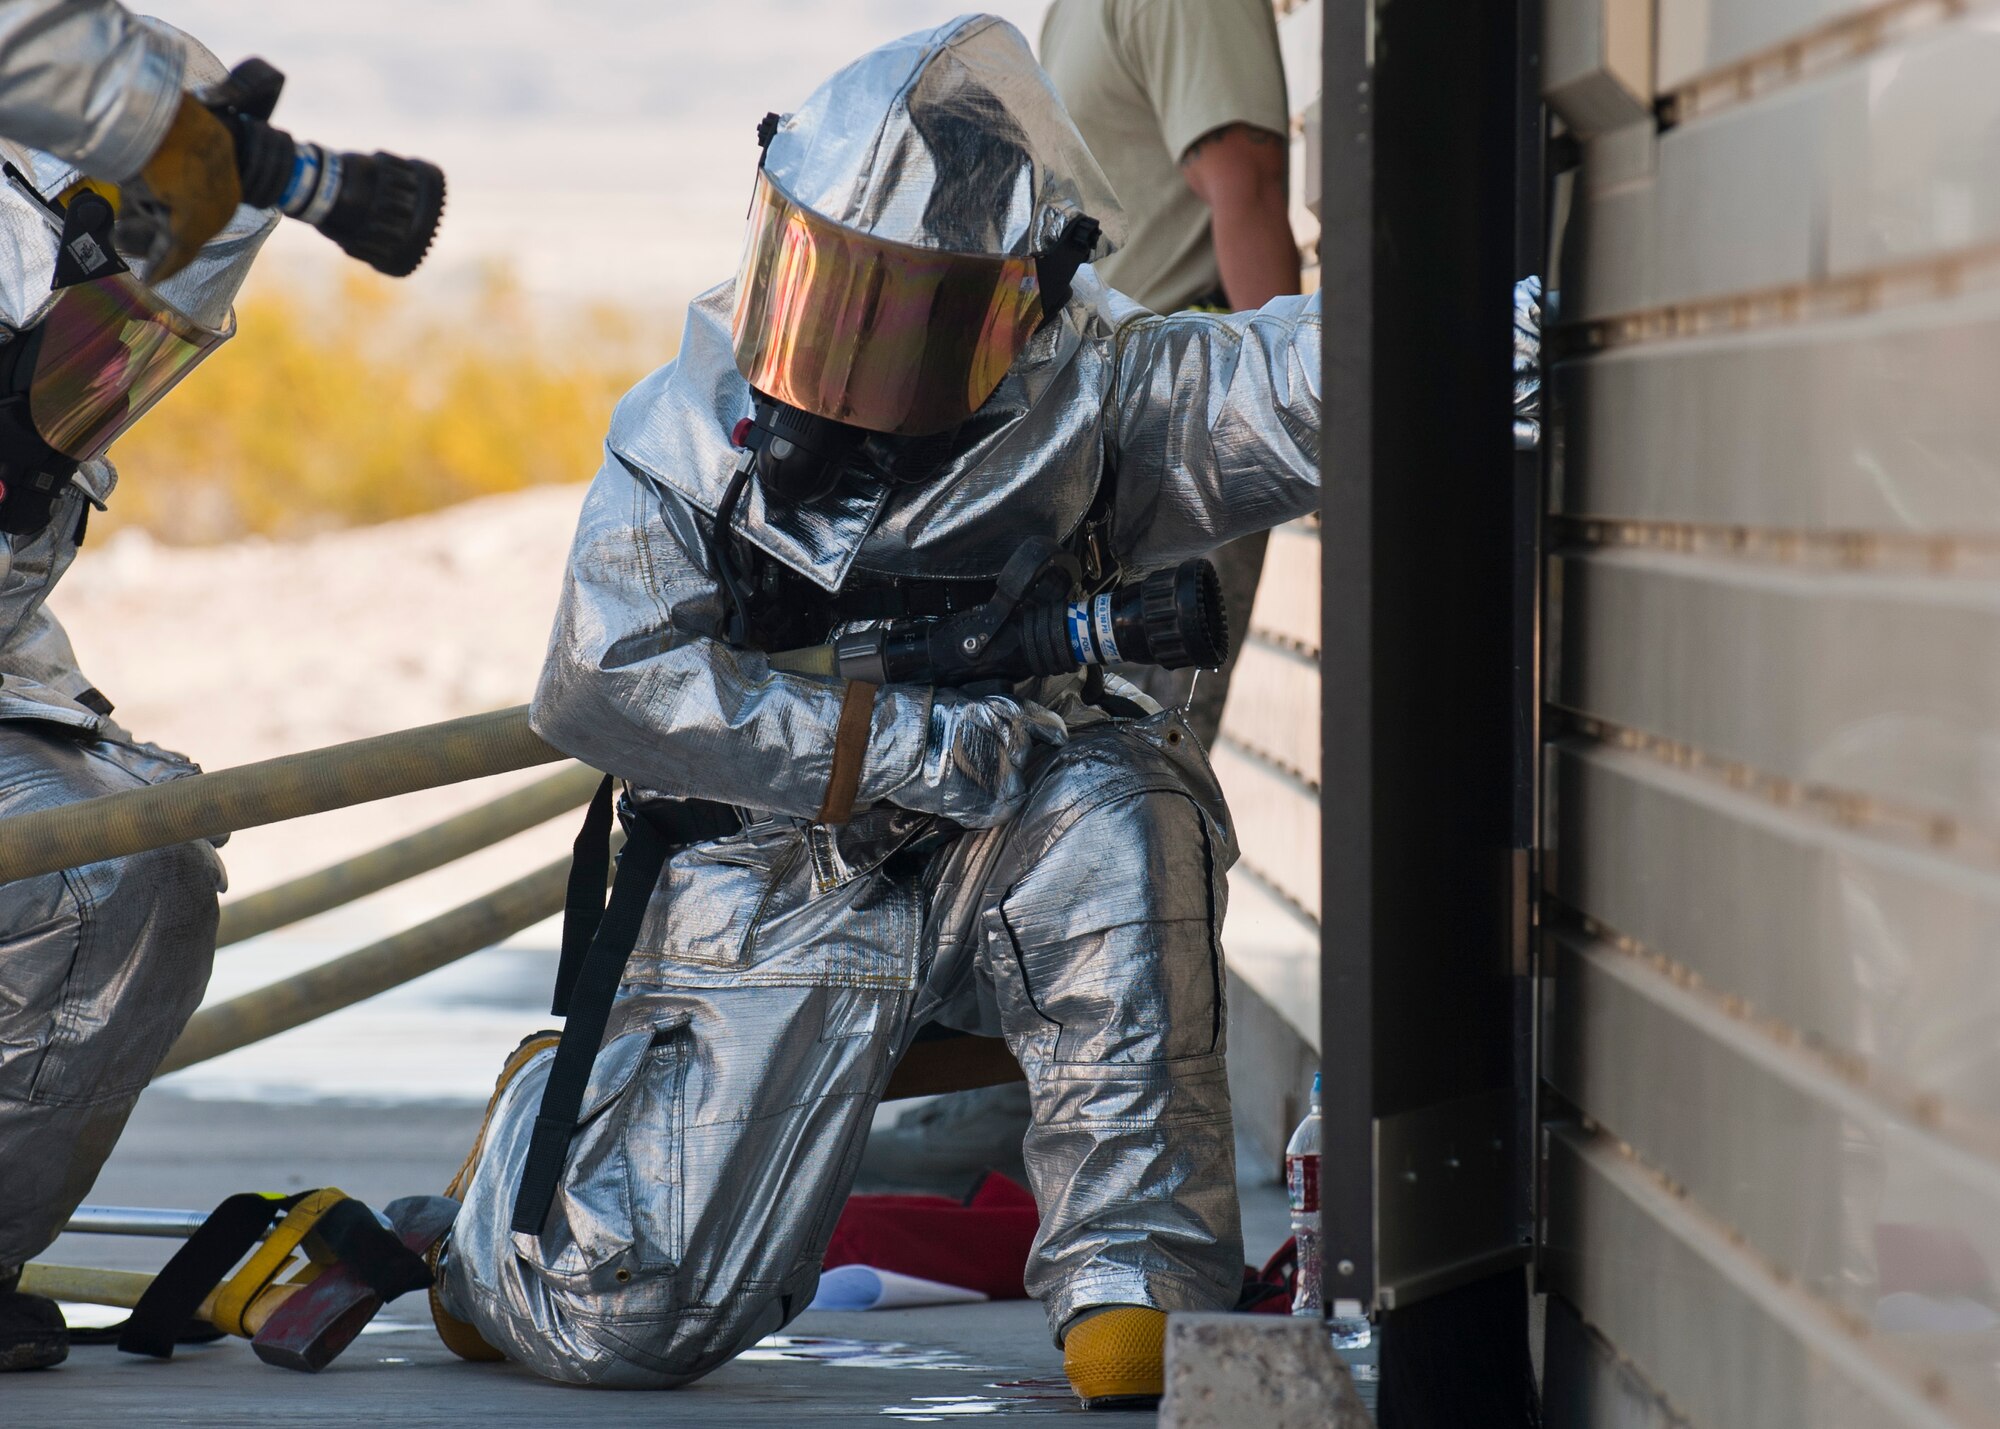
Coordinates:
[1349,1326]
[1302,1188]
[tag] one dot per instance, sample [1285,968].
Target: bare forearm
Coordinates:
[1240,172]
[1254,251]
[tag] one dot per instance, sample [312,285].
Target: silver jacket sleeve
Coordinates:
[88,81]
[1214,422]
[633,687]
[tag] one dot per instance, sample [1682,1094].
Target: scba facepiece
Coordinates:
[798,457]
[92,360]
[842,334]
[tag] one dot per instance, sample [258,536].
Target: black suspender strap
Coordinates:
[597,940]
[583,903]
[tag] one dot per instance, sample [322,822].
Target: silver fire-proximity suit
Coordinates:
[88,81]
[100,966]
[1024,866]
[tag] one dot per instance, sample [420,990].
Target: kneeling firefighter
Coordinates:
[100,966]
[919,428]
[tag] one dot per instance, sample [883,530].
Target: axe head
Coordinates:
[323,1318]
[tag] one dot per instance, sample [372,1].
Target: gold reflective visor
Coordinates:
[880,335]
[108,349]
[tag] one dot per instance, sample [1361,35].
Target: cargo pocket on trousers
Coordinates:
[616,1233]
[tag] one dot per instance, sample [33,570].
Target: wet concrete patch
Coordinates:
[856,1354]
[1012,1396]
[939,1409]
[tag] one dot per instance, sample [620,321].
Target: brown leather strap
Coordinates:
[850,748]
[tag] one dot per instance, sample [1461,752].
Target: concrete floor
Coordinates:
[913,1366]
[382,1100]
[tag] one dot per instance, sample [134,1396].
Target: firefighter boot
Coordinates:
[1116,1357]
[459,1337]
[32,1332]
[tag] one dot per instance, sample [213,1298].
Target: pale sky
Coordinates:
[603,147]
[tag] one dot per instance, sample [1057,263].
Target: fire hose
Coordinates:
[405,858]
[206,806]
[295,785]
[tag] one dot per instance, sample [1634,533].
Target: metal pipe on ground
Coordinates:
[362,974]
[134,1220]
[430,848]
[270,791]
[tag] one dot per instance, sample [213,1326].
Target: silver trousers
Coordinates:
[100,968]
[760,1021]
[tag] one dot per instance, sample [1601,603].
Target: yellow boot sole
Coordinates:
[1116,1358]
[458,1336]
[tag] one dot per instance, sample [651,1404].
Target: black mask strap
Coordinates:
[1055,266]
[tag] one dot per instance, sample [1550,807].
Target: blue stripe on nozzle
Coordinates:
[1080,644]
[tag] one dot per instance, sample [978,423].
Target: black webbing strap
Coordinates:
[597,940]
[165,1311]
[583,903]
[349,1232]
[198,1332]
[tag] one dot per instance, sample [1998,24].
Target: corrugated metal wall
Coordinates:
[1268,762]
[1771,951]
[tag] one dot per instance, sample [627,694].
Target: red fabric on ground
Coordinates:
[980,1244]
[1269,1291]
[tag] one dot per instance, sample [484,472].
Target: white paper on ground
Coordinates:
[863,1287]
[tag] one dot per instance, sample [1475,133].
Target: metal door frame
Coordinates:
[1429,629]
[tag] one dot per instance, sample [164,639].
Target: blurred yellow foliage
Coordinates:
[352,408]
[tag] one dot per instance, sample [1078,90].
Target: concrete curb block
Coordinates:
[1276,1372]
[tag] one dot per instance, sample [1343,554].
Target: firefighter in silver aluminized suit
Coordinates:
[100,966]
[1023,864]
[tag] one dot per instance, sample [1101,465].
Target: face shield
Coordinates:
[880,335]
[911,228]
[96,354]
[99,355]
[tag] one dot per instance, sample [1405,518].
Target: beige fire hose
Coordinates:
[121,1289]
[84,1284]
[927,1069]
[430,848]
[362,974]
[210,805]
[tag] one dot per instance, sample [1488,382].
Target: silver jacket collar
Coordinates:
[1027,461]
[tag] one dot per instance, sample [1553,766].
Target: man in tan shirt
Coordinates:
[1183,103]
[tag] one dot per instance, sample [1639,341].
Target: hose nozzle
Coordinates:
[380,208]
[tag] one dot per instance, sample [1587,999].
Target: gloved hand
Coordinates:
[978,757]
[184,195]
